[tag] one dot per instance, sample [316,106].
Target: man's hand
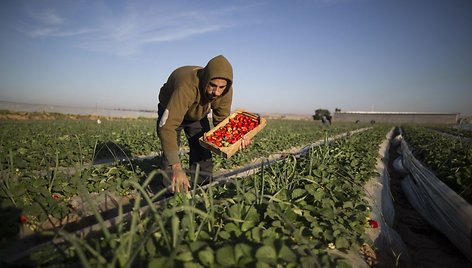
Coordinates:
[244,143]
[180,181]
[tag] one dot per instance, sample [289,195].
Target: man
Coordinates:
[326,119]
[185,100]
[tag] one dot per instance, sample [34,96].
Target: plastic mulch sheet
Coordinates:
[441,207]
[387,240]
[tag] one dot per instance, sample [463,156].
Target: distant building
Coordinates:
[396,117]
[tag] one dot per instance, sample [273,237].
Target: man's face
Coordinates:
[215,88]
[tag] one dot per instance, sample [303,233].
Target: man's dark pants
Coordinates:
[193,131]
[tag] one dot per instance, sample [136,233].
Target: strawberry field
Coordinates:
[306,209]
[449,156]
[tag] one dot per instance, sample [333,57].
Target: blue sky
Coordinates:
[287,56]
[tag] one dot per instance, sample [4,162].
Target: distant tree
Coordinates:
[319,113]
[337,110]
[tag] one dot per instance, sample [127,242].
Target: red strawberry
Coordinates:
[232,131]
[373,224]
[23,219]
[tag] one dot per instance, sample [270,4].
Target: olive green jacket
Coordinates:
[183,97]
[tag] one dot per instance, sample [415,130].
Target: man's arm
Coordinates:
[170,120]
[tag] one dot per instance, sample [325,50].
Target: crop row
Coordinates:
[302,212]
[449,158]
[44,145]
[458,132]
[45,190]
[40,145]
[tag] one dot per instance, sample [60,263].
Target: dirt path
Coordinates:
[427,246]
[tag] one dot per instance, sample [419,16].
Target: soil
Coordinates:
[427,246]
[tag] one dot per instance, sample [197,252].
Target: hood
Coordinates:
[218,67]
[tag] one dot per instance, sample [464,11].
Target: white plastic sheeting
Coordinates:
[440,206]
[399,166]
[386,240]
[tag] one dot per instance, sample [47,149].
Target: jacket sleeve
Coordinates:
[222,107]
[173,116]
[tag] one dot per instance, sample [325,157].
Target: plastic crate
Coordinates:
[230,150]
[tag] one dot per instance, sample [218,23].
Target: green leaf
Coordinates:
[203,235]
[247,225]
[256,234]
[310,208]
[246,261]
[163,262]
[185,256]
[287,254]
[39,183]
[18,189]
[342,242]
[232,228]
[206,257]
[241,250]
[197,245]
[225,256]
[261,264]
[311,188]
[235,211]
[22,151]
[308,261]
[266,254]
[348,204]
[354,162]
[224,235]
[290,216]
[150,247]
[297,193]
[328,213]
[328,235]
[250,197]
[192,265]
[319,194]
[252,214]
[284,195]
[316,231]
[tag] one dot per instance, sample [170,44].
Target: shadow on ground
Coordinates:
[109,151]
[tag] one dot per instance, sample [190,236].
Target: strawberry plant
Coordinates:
[41,176]
[449,158]
[300,212]
[455,131]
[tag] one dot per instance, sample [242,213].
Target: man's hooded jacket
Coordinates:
[183,97]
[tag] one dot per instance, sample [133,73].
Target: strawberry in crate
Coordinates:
[233,131]
[233,134]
